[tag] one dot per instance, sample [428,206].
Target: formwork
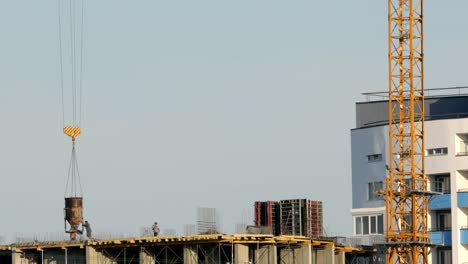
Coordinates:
[267,214]
[206,249]
[301,217]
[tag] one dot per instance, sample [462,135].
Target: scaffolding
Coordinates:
[301,217]
[297,217]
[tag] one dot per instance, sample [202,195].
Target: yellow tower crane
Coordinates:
[407,197]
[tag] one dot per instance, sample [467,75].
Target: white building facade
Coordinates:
[446,164]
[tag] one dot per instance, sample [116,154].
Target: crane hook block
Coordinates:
[72,131]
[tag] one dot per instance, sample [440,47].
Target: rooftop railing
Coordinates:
[432,92]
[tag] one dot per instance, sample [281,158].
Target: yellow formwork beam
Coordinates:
[187,240]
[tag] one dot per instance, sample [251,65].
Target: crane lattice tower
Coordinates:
[406,185]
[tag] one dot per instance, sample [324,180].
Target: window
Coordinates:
[462,144]
[365,225]
[445,256]
[442,183]
[380,227]
[373,224]
[444,221]
[358,223]
[368,225]
[372,188]
[437,152]
[374,157]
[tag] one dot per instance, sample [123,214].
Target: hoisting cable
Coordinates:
[81,63]
[71,84]
[71,81]
[74,177]
[61,61]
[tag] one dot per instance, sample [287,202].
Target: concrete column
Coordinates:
[266,255]
[340,258]
[190,254]
[325,254]
[16,256]
[241,254]
[313,255]
[53,257]
[287,255]
[94,256]
[146,256]
[22,257]
[297,254]
[49,259]
[303,254]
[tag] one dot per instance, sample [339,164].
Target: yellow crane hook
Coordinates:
[72,131]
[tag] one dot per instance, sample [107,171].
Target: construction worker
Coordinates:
[155,229]
[89,231]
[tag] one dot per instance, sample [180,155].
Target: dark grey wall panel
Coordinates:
[376,113]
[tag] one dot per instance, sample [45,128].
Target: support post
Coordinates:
[146,257]
[94,256]
[241,254]
[266,255]
[325,254]
[340,257]
[190,254]
[16,256]
[304,254]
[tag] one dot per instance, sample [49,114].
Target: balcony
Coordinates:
[464,235]
[462,198]
[442,238]
[439,202]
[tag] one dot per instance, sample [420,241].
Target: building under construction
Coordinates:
[296,217]
[207,249]
[406,218]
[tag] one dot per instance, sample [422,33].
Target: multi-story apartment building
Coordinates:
[446,164]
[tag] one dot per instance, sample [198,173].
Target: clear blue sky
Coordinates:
[198,103]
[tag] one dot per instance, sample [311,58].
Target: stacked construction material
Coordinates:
[297,217]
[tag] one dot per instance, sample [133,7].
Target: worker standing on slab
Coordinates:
[156,229]
[88,229]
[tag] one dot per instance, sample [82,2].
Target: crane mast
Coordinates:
[406,185]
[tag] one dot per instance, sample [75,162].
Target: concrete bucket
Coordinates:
[73,213]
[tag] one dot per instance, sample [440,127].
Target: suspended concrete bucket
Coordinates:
[73,213]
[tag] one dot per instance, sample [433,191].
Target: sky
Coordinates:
[192,104]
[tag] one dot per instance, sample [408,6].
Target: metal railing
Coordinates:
[440,229]
[448,91]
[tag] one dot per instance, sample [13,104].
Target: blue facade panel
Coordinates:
[464,236]
[440,202]
[443,238]
[462,199]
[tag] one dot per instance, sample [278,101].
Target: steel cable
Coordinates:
[76,37]
[61,60]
